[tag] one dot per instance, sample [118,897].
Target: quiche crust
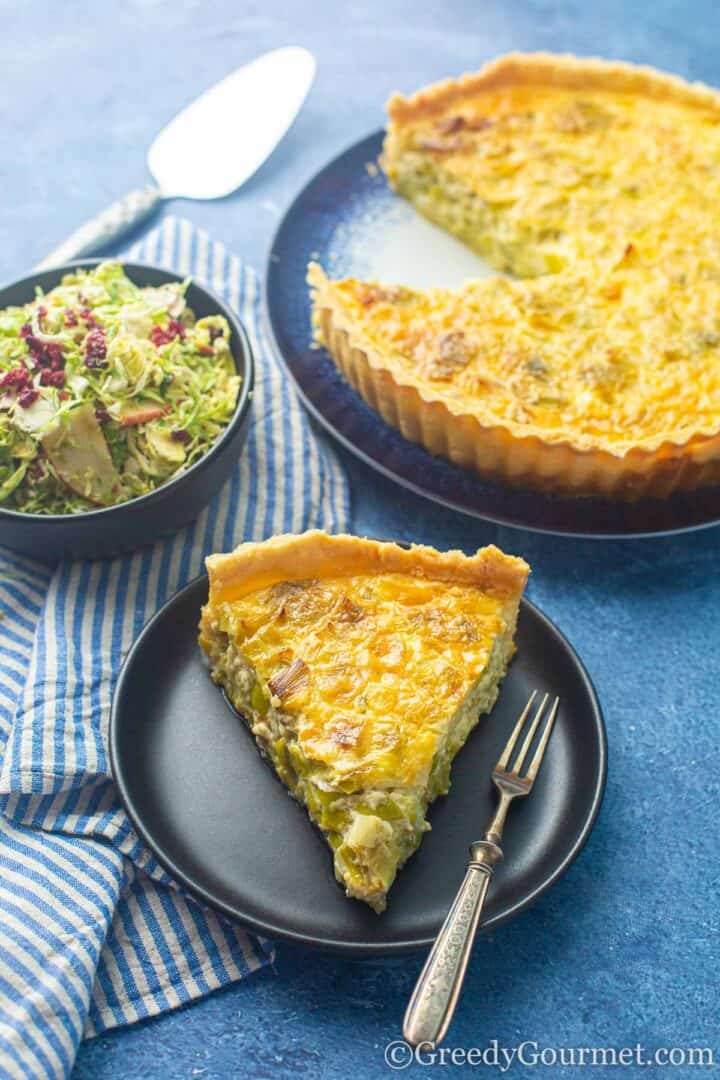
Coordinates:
[563,70]
[297,557]
[680,450]
[361,681]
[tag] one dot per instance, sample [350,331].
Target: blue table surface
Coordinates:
[625,948]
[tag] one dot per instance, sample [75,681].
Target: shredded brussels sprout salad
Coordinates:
[107,390]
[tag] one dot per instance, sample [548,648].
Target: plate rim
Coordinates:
[490,516]
[349,948]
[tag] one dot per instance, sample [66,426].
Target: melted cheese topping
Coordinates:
[613,199]
[371,669]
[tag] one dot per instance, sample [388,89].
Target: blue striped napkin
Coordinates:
[93,933]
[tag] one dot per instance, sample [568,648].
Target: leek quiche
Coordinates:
[594,368]
[361,668]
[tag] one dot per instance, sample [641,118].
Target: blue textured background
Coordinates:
[625,948]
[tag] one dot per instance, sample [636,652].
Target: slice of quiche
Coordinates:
[361,668]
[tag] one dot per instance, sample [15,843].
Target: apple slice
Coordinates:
[77,449]
[164,446]
[130,415]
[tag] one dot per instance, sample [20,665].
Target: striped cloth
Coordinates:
[93,933]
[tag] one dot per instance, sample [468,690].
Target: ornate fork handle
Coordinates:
[437,990]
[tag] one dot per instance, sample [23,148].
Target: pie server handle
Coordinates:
[109,225]
[437,990]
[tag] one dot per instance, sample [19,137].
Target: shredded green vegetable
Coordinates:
[107,391]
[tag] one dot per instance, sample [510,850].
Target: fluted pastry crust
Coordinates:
[644,455]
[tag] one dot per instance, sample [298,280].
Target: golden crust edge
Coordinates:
[298,556]
[495,450]
[562,70]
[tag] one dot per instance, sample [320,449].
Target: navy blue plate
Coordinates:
[339,219]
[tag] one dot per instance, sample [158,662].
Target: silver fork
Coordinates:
[436,992]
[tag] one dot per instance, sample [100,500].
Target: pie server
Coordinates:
[210,148]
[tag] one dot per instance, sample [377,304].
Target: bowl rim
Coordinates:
[235,422]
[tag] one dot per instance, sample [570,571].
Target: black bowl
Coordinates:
[114,529]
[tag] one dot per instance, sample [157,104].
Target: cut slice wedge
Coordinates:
[361,668]
[77,449]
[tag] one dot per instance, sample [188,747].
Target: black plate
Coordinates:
[112,530]
[343,202]
[220,822]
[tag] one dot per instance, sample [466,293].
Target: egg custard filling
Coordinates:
[595,367]
[361,668]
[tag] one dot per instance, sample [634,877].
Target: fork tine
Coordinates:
[510,744]
[537,759]
[530,735]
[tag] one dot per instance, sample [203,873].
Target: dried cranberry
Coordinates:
[95,349]
[45,355]
[163,335]
[95,345]
[71,318]
[55,357]
[35,346]
[52,378]
[180,435]
[102,415]
[37,351]
[25,330]
[159,337]
[63,395]
[28,397]
[87,315]
[16,378]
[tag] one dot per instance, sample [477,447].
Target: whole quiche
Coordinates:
[592,366]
